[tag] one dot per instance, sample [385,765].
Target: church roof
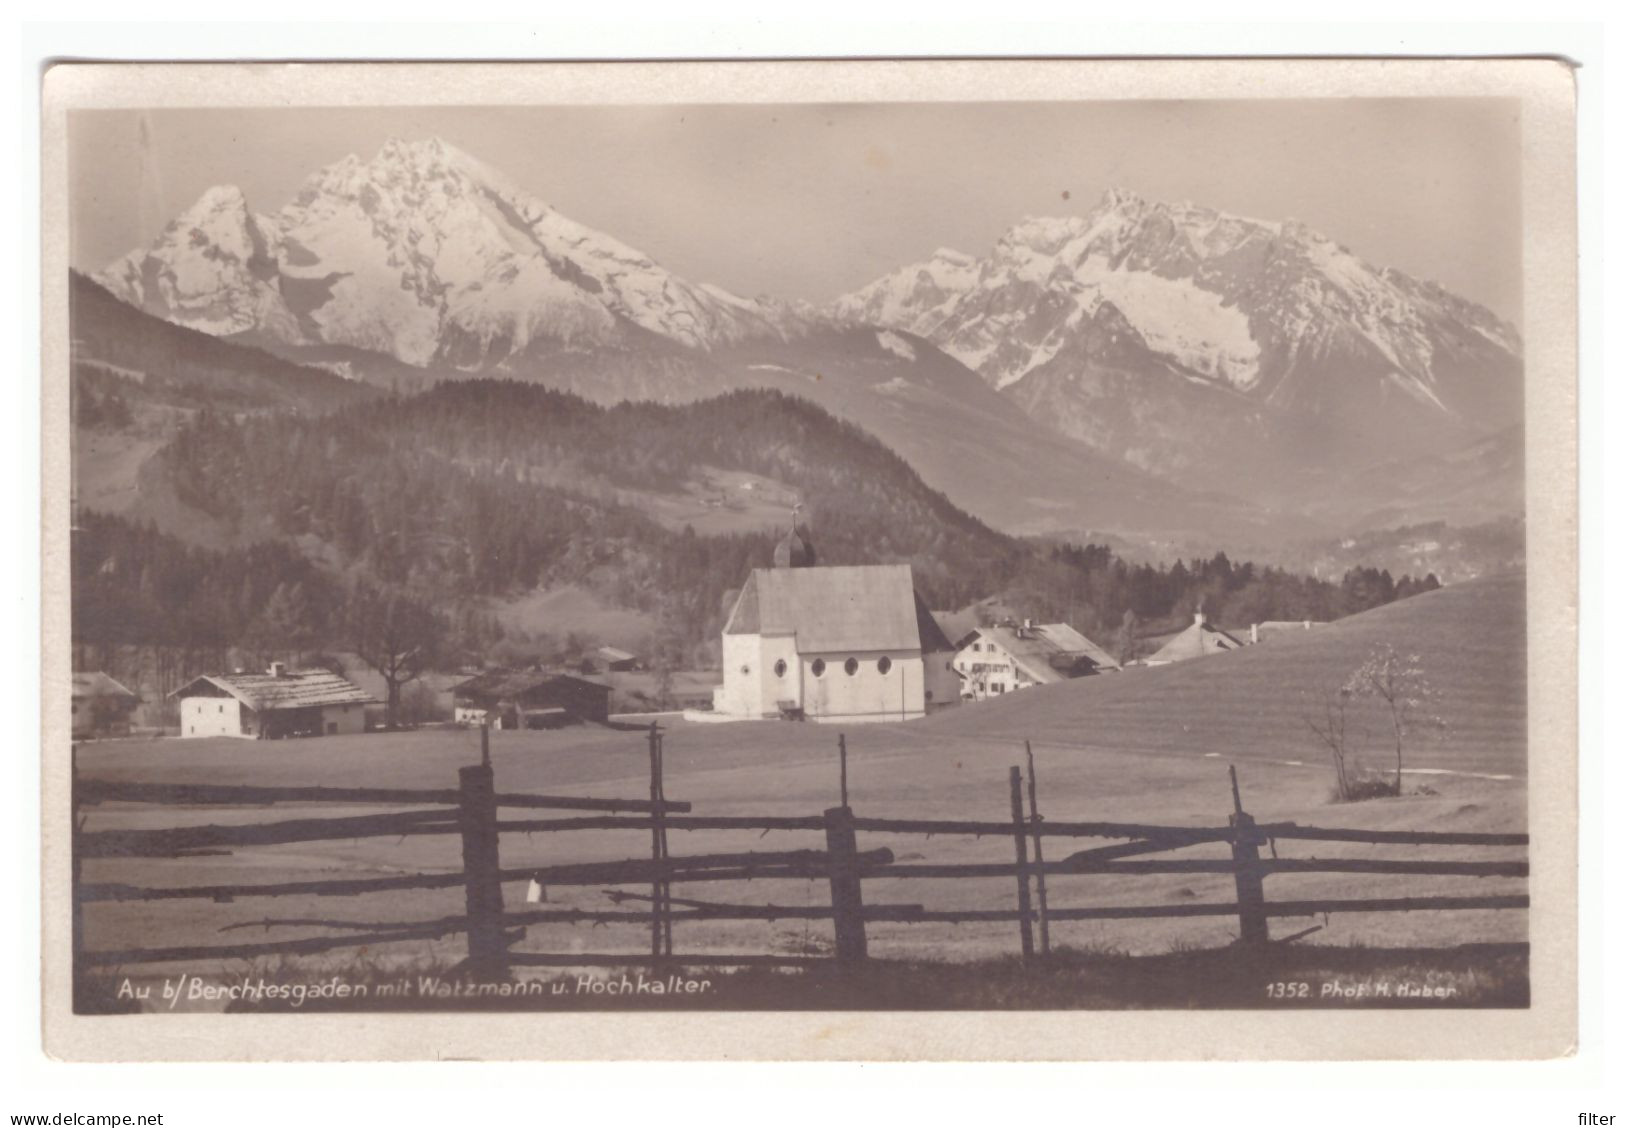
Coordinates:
[855,607]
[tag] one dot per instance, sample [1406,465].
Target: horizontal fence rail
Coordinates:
[709,867]
[471,811]
[208,794]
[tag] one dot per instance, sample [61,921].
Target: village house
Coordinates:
[996,660]
[534,700]
[850,644]
[1271,627]
[614,659]
[278,703]
[1198,639]
[101,706]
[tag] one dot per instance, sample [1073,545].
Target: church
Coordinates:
[848,644]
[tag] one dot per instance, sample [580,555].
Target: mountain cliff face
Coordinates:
[1209,346]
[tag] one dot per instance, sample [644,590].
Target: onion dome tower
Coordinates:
[795,550]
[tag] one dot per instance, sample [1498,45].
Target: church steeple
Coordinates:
[795,550]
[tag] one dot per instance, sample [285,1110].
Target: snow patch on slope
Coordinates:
[897,346]
[1192,326]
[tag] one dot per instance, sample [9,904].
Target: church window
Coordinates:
[818,667]
[884,665]
[779,667]
[851,666]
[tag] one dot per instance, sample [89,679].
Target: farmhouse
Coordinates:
[278,703]
[996,660]
[529,700]
[1271,627]
[614,659]
[850,644]
[101,706]
[1194,641]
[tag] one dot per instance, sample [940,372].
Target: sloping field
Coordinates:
[1253,703]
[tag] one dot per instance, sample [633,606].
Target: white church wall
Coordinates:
[739,694]
[778,654]
[867,694]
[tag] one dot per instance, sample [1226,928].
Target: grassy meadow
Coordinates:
[1148,745]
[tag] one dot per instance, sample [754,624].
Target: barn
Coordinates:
[101,706]
[529,700]
[614,659]
[850,644]
[278,703]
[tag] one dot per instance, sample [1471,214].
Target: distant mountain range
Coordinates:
[1135,370]
[1211,348]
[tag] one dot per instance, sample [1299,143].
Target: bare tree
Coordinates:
[1330,726]
[1398,683]
[395,635]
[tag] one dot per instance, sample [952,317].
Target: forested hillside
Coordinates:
[490,489]
[120,352]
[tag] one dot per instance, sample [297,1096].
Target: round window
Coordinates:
[744,669]
[818,667]
[884,665]
[779,667]
[851,666]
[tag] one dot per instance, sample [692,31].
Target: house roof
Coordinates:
[1035,649]
[846,608]
[1194,641]
[292,689]
[97,684]
[504,684]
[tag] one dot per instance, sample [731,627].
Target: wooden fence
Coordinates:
[473,811]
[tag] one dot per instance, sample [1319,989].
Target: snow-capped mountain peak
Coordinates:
[425,253]
[1212,293]
[1138,300]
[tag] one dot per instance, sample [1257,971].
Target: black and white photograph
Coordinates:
[944,553]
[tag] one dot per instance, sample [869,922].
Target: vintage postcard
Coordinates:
[906,560]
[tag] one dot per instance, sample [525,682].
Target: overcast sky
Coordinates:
[813,201]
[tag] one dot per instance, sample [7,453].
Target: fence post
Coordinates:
[844,801]
[1023,895]
[845,885]
[1255,929]
[1038,851]
[487,946]
[660,928]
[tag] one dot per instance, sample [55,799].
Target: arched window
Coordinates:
[818,667]
[884,665]
[779,667]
